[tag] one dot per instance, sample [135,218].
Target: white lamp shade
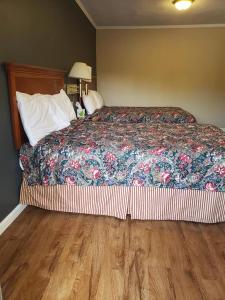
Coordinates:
[89,74]
[80,70]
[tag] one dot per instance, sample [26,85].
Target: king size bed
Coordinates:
[152,171]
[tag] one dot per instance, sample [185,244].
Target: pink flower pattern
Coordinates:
[171,115]
[75,164]
[182,156]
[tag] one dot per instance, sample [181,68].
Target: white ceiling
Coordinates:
[119,13]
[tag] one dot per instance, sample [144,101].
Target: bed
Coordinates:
[170,115]
[150,171]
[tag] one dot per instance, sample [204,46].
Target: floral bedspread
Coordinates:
[142,115]
[190,156]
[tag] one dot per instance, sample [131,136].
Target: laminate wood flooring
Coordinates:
[58,256]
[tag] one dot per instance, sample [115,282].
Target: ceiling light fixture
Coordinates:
[183,4]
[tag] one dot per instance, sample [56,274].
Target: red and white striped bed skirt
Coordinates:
[141,203]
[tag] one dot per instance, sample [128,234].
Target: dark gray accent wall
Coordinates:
[53,33]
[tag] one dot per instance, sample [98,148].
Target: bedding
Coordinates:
[63,106]
[89,104]
[42,114]
[189,156]
[97,98]
[142,203]
[142,115]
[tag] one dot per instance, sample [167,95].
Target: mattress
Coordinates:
[187,156]
[150,171]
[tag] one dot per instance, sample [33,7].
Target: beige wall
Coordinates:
[164,67]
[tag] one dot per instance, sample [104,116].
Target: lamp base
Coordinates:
[80,93]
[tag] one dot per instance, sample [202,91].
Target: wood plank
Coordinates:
[49,255]
[199,252]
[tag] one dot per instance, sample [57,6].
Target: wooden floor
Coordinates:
[51,256]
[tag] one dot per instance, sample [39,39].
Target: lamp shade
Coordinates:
[89,78]
[80,70]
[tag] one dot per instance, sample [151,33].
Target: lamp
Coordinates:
[87,80]
[81,71]
[183,4]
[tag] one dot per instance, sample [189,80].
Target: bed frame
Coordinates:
[29,79]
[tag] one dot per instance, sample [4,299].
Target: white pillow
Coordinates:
[89,104]
[63,106]
[39,116]
[97,97]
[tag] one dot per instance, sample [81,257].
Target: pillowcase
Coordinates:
[97,97]
[62,106]
[40,115]
[89,104]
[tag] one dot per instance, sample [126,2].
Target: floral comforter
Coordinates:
[190,156]
[142,115]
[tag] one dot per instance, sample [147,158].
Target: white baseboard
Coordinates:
[1,294]
[11,217]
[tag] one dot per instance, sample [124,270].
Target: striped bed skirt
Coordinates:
[143,203]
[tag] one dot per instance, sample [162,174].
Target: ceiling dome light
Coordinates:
[183,4]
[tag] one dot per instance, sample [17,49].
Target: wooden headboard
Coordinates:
[31,80]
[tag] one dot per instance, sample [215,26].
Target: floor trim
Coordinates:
[1,294]
[11,217]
